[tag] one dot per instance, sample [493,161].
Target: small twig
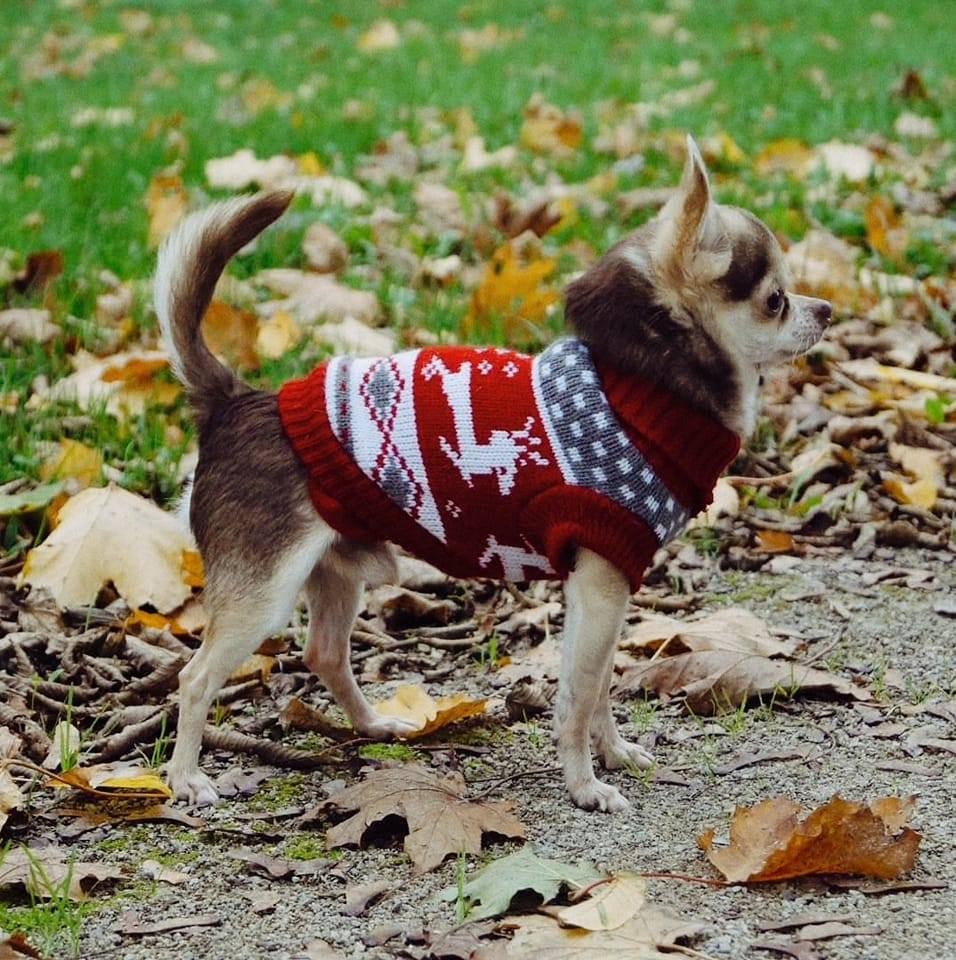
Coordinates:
[273,753]
[498,781]
[780,479]
[709,882]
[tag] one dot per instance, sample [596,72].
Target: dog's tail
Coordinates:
[191,262]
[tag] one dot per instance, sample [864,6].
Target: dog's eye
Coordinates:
[775,301]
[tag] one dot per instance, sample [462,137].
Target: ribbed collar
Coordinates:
[683,444]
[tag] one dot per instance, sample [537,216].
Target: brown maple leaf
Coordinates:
[440,820]
[770,842]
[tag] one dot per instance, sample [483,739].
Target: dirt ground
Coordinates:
[887,633]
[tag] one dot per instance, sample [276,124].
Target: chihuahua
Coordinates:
[578,463]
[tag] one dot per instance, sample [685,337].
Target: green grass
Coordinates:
[80,189]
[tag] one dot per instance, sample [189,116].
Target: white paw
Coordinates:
[615,752]
[384,728]
[192,786]
[595,795]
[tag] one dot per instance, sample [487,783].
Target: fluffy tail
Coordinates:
[191,261]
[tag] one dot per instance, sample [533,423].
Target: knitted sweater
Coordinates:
[487,462]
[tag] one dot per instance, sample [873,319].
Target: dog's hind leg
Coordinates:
[334,593]
[596,593]
[245,606]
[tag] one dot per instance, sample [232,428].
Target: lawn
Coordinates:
[109,115]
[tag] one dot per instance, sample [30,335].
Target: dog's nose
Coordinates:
[822,311]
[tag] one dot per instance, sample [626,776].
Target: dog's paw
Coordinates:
[615,752]
[194,787]
[596,795]
[384,728]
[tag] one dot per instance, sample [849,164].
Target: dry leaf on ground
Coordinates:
[73,460]
[640,938]
[512,292]
[166,205]
[125,382]
[491,890]
[11,797]
[548,129]
[414,704]
[441,822]
[45,872]
[718,680]
[23,323]
[734,629]
[108,534]
[29,501]
[231,334]
[314,296]
[608,905]
[770,842]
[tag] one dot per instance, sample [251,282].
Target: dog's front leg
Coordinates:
[596,599]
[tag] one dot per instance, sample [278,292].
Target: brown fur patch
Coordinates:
[753,250]
[613,309]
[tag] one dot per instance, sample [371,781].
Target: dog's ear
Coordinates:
[691,243]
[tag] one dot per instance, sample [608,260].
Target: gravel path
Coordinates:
[886,631]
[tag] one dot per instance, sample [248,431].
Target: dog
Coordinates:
[676,321]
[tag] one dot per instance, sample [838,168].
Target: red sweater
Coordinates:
[487,462]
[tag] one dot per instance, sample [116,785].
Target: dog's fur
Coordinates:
[688,301]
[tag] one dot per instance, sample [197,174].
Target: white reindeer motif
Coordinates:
[513,559]
[505,451]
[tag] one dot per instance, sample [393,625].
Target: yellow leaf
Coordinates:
[884,230]
[74,460]
[414,704]
[166,203]
[277,335]
[143,782]
[231,334]
[920,493]
[788,155]
[257,666]
[192,568]
[775,541]
[548,129]
[310,165]
[107,534]
[512,293]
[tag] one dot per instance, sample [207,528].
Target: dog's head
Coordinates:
[697,299]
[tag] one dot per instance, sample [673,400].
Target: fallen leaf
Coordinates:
[312,297]
[609,904]
[441,822]
[770,842]
[255,667]
[641,938]
[45,872]
[124,383]
[824,265]
[491,890]
[827,931]
[166,205]
[15,947]
[788,156]
[130,925]
[548,129]
[231,334]
[11,798]
[105,535]
[775,541]
[511,293]
[358,896]
[276,868]
[22,324]
[884,230]
[414,704]
[324,250]
[42,268]
[382,35]
[400,607]
[847,160]
[73,460]
[733,629]
[351,336]
[718,680]
[29,501]
[154,870]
